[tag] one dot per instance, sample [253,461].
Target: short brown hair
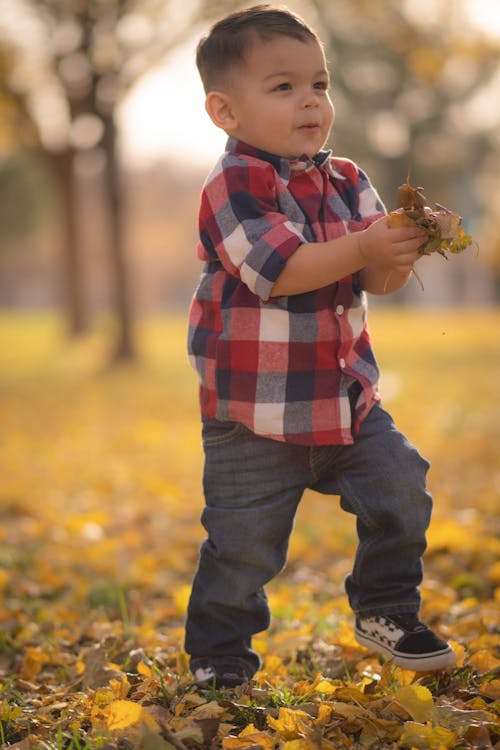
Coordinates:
[230,38]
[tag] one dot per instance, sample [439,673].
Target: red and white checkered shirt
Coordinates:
[282,366]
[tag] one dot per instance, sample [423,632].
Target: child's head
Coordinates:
[266,80]
[225,48]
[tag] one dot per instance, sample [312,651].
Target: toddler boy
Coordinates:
[292,238]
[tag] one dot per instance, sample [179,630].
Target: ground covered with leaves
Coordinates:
[100,499]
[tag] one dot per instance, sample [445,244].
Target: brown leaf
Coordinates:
[97,673]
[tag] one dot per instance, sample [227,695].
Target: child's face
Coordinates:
[279,98]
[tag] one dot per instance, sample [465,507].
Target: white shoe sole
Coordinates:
[417,662]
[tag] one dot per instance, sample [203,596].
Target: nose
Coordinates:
[309,99]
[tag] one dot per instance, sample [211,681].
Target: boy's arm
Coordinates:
[378,280]
[384,256]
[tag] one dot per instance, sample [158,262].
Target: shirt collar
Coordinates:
[284,166]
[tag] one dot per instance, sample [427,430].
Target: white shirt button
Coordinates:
[339,309]
[342,362]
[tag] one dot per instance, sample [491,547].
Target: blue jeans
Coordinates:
[253,486]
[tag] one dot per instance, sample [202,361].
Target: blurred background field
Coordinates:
[101,467]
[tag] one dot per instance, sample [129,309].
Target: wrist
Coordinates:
[361,246]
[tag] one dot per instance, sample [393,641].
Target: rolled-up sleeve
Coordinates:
[370,203]
[357,192]
[241,224]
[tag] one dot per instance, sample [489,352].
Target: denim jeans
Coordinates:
[253,486]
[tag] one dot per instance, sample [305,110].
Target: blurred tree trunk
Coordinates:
[76,309]
[124,349]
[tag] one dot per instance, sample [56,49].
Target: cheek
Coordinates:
[332,113]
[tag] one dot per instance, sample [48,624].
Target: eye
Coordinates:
[283,87]
[321,85]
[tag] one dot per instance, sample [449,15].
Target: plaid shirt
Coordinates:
[282,366]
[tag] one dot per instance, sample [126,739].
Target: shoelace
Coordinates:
[409,622]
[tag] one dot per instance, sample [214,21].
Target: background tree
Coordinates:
[67,76]
[414,79]
[417,91]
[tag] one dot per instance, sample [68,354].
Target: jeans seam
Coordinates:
[358,507]
[227,437]
[317,466]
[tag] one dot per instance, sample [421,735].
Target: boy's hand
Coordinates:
[393,248]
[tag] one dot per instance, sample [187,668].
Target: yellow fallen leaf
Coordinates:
[344,637]
[460,653]
[326,687]
[484,661]
[273,666]
[325,712]
[8,712]
[120,687]
[491,688]
[181,598]
[302,744]
[451,535]
[80,666]
[260,644]
[416,700]
[426,737]
[494,572]
[4,578]
[391,675]
[33,661]
[121,715]
[249,737]
[143,669]
[484,642]
[291,724]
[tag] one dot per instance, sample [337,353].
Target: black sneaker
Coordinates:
[220,675]
[405,639]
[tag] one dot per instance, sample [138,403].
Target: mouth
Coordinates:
[309,127]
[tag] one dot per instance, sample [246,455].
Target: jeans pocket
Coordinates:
[215,432]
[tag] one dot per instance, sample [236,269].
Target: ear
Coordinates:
[220,110]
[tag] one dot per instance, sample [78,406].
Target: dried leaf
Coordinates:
[417,701]
[491,688]
[33,661]
[349,710]
[290,724]
[484,661]
[326,687]
[426,737]
[249,737]
[211,710]
[444,229]
[459,720]
[144,669]
[302,744]
[122,714]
